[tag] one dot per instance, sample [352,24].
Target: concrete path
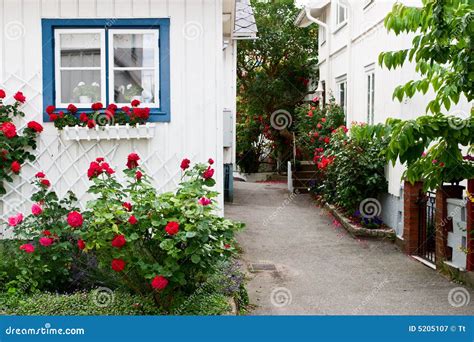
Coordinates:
[321,270]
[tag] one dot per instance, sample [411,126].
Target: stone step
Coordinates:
[304,174]
[306,166]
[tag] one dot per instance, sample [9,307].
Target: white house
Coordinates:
[351,37]
[181,53]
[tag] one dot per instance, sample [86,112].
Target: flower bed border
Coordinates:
[115,132]
[359,231]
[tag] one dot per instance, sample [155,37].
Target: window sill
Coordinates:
[116,132]
[340,27]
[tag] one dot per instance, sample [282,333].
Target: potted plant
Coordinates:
[87,93]
[132,92]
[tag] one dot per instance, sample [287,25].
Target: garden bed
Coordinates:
[358,230]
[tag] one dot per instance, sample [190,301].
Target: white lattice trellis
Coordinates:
[65,162]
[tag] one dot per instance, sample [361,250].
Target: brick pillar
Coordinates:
[442,222]
[470,225]
[411,193]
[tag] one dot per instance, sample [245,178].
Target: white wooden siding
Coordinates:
[195,130]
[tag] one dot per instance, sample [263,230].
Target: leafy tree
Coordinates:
[273,74]
[442,49]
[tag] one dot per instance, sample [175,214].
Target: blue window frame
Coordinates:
[159,113]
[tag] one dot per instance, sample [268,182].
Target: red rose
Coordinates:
[81,244]
[19,97]
[50,109]
[8,129]
[53,117]
[326,140]
[46,233]
[159,282]
[2,94]
[27,247]
[46,241]
[208,173]
[118,265]
[138,175]
[71,108]
[132,220]
[83,117]
[91,123]
[323,119]
[40,175]
[45,183]
[226,246]
[16,167]
[33,125]
[97,106]
[185,163]
[132,160]
[210,161]
[94,170]
[74,219]
[135,103]
[127,206]
[172,227]
[119,241]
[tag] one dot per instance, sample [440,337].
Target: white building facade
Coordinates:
[351,37]
[182,53]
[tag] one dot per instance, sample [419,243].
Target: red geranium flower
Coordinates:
[118,265]
[16,167]
[141,113]
[172,228]
[132,220]
[185,163]
[81,244]
[27,247]
[74,219]
[8,129]
[45,183]
[208,173]
[91,123]
[132,160]
[126,109]
[50,109]
[119,241]
[83,117]
[97,106]
[19,97]
[72,108]
[112,107]
[135,103]
[53,117]
[159,282]
[33,125]
[46,241]
[2,94]
[127,206]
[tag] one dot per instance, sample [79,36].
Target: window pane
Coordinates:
[137,84]
[80,86]
[342,14]
[80,49]
[134,50]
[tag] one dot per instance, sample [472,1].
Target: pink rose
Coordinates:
[46,241]
[204,201]
[36,209]
[15,220]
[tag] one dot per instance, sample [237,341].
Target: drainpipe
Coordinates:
[328,42]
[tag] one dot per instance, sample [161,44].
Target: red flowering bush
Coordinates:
[99,116]
[163,244]
[45,243]
[14,147]
[314,127]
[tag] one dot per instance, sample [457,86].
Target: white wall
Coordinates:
[195,130]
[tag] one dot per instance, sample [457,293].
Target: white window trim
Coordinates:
[155,32]
[370,88]
[344,22]
[339,81]
[322,30]
[58,68]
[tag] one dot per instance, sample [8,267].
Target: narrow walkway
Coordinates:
[321,270]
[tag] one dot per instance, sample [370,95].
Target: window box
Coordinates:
[116,132]
[98,60]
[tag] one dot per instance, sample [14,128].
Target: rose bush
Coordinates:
[14,147]
[99,116]
[163,244]
[45,243]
